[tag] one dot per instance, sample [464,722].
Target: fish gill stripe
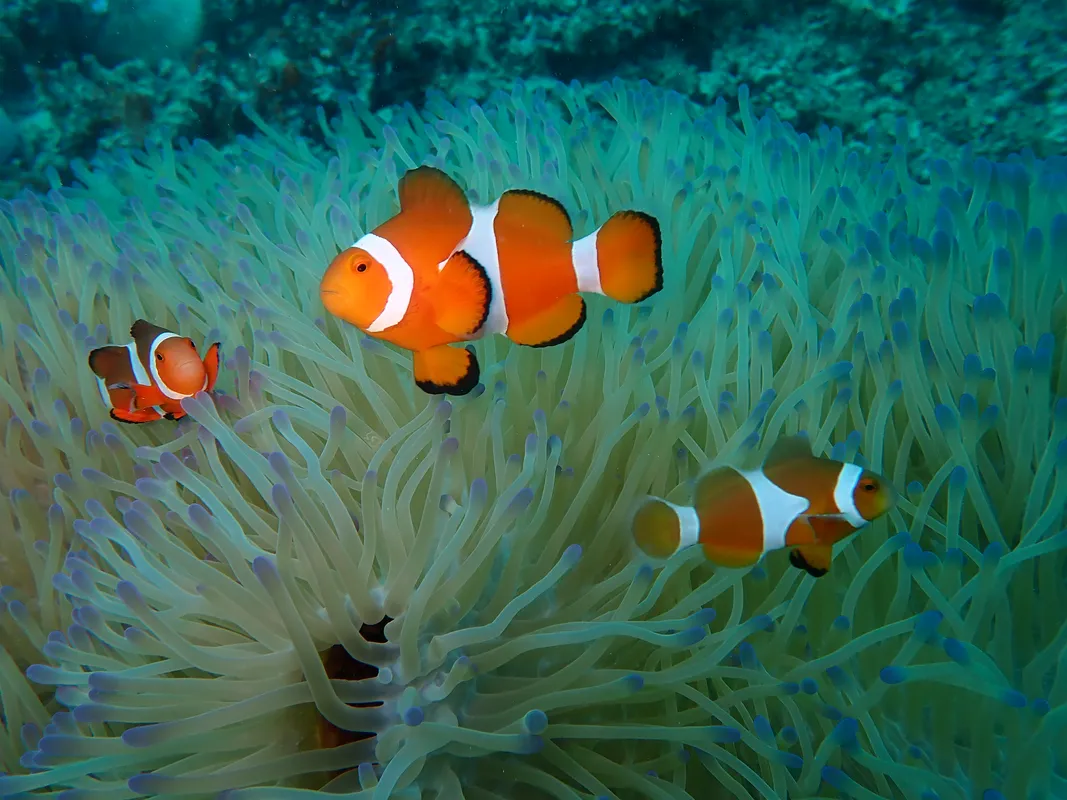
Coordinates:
[480,242]
[844,489]
[778,508]
[140,374]
[688,525]
[104,393]
[586,264]
[173,395]
[401,276]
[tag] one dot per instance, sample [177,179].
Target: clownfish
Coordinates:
[794,500]
[148,378]
[444,271]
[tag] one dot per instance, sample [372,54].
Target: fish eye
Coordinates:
[361,268]
[159,356]
[870,486]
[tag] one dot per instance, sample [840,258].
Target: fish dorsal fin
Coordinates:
[789,448]
[143,331]
[541,218]
[719,485]
[430,193]
[111,364]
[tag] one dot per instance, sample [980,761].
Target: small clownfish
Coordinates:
[148,378]
[444,271]
[795,500]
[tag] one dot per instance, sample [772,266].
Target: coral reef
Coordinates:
[988,73]
[208,604]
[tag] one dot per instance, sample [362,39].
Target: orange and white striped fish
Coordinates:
[148,378]
[444,271]
[794,501]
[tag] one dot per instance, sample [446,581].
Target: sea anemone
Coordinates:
[324,580]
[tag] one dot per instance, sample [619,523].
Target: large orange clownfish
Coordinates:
[148,378]
[794,501]
[444,271]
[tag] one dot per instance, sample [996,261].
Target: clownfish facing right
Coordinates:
[444,271]
[148,378]
[795,500]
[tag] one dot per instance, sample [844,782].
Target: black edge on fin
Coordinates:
[548,199]
[488,289]
[658,237]
[125,421]
[798,561]
[463,386]
[568,334]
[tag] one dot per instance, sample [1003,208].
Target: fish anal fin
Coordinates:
[461,295]
[553,325]
[446,370]
[541,218]
[814,559]
[147,396]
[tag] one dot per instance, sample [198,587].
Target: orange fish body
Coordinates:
[444,271]
[794,501]
[148,378]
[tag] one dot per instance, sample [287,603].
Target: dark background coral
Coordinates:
[87,75]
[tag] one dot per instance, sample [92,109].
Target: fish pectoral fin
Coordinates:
[134,417]
[147,396]
[553,325]
[211,364]
[814,559]
[461,295]
[446,370]
[831,528]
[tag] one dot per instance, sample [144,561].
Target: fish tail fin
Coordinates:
[622,259]
[661,529]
